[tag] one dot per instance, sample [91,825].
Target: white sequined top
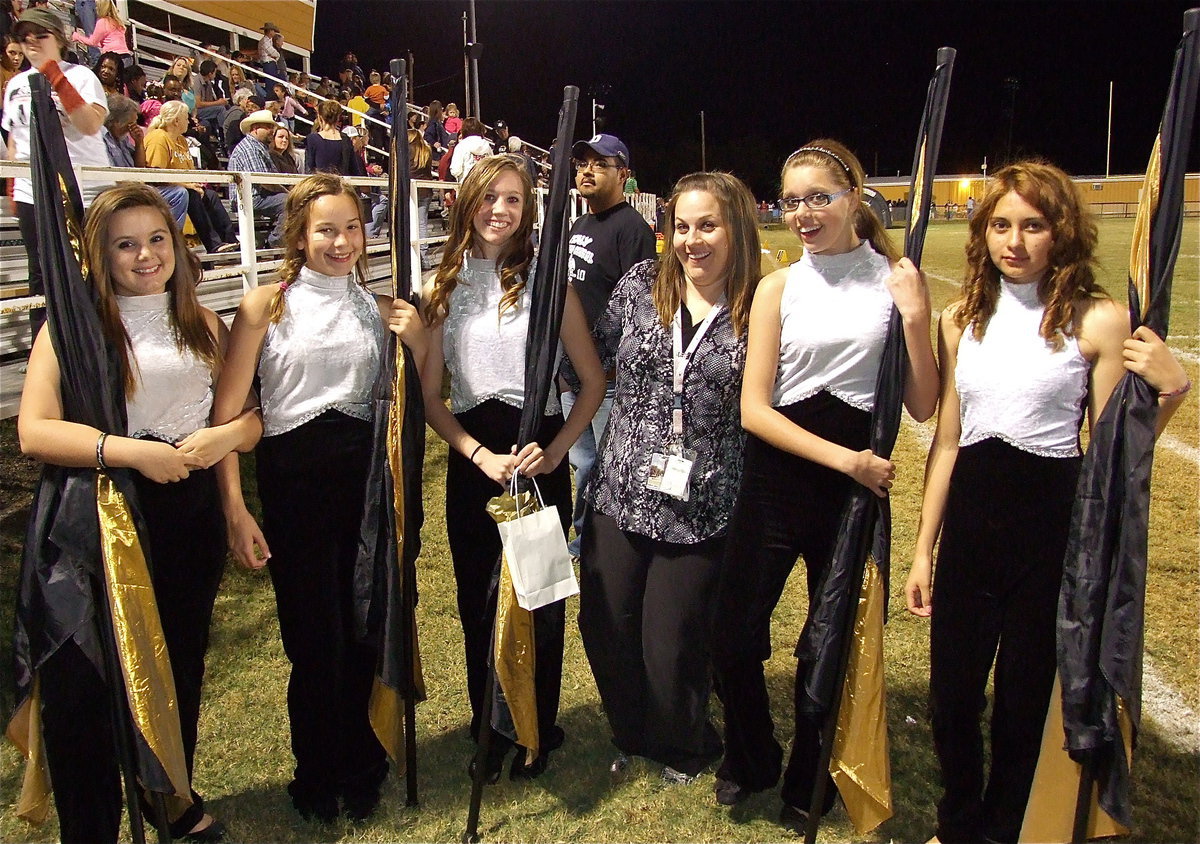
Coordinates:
[323,353]
[1013,385]
[484,351]
[174,388]
[833,322]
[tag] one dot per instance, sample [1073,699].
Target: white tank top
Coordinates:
[174,388]
[833,322]
[484,350]
[323,354]
[1013,385]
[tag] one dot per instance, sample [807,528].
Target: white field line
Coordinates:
[1168,710]
[1185,357]
[1173,444]
[1175,720]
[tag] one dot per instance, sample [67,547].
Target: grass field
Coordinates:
[244,763]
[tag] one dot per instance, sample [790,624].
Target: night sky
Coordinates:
[771,75]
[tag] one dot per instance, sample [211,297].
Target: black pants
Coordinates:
[186,547]
[210,218]
[645,612]
[998,574]
[27,223]
[312,483]
[475,548]
[786,507]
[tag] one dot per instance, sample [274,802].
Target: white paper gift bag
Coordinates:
[538,560]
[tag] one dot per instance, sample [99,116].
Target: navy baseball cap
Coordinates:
[609,146]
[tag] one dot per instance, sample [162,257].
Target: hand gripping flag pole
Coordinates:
[509,693]
[385,579]
[1102,600]
[842,638]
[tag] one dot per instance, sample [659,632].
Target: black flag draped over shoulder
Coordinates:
[866,521]
[385,579]
[1101,604]
[64,586]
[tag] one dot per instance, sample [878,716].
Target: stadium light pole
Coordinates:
[1108,146]
[474,50]
[466,68]
[703,146]
[596,116]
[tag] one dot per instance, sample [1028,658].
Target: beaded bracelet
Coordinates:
[474,452]
[1175,393]
[100,464]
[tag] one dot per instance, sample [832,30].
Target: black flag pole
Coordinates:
[385,579]
[399,227]
[1102,602]
[866,525]
[545,321]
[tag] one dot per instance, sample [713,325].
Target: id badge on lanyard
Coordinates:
[671,470]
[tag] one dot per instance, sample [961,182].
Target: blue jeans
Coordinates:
[271,205]
[85,13]
[582,455]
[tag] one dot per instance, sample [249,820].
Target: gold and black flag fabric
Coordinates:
[843,635]
[84,576]
[1101,603]
[385,581]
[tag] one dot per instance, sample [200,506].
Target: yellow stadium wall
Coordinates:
[1096,191]
[295,18]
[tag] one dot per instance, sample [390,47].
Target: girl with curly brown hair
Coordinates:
[1032,343]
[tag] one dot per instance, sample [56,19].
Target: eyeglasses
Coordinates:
[813,200]
[598,165]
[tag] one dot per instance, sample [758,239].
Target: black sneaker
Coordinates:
[794,818]
[322,808]
[729,793]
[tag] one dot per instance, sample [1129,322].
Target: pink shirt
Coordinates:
[107,37]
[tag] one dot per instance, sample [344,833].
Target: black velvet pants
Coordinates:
[186,547]
[475,549]
[999,568]
[787,507]
[312,483]
[645,612]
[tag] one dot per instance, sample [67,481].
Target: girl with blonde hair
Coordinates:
[478,308]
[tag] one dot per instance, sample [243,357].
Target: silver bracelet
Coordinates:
[100,464]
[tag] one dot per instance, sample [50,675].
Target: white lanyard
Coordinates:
[682,358]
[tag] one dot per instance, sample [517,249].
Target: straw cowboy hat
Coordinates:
[262,117]
[269,27]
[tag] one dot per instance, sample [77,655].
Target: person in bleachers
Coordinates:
[231,127]
[283,153]
[253,155]
[268,56]
[326,149]
[125,142]
[211,104]
[108,36]
[111,72]
[167,148]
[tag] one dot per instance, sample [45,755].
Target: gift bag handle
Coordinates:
[512,490]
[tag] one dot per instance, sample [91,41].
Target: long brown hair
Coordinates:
[419,152]
[1070,277]
[296,210]
[745,258]
[187,319]
[844,168]
[517,254]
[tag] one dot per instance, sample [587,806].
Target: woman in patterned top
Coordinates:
[817,332]
[478,309]
[666,475]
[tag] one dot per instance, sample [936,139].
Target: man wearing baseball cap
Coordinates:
[603,245]
[82,105]
[253,155]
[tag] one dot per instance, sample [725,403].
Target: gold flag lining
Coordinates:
[141,646]
[25,731]
[386,709]
[859,762]
[1139,251]
[1050,813]
[514,655]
